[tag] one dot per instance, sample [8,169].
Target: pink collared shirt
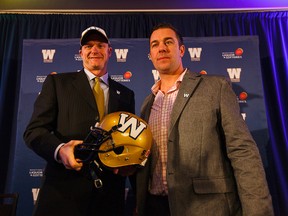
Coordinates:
[159,121]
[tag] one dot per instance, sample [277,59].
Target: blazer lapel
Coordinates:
[145,113]
[114,97]
[82,85]
[189,84]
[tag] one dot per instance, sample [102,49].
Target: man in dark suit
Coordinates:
[204,160]
[63,114]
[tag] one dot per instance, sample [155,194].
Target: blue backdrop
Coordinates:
[234,57]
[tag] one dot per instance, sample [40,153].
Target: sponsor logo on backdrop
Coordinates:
[40,79]
[121,54]
[77,57]
[234,74]
[195,53]
[36,172]
[48,55]
[242,97]
[203,72]
[122,78]
[237,54]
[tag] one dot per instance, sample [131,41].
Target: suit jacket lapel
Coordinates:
[114,96]
[145,113]
[82,85]
[187,87]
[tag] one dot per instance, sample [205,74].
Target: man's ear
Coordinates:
[110,51]
[182,50]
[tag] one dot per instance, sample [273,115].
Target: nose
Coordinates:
[162,47]
[94,49]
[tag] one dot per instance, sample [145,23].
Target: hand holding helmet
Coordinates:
[121,139]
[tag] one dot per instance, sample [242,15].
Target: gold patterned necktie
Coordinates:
[99,97]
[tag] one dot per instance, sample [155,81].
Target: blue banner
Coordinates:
[233,57]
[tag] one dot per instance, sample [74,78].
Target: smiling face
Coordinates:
[95,54]
[165,51]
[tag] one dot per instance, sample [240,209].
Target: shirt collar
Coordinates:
[155,88]
[91,76]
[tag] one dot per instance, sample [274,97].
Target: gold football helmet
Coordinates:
[120,139]
[130,141]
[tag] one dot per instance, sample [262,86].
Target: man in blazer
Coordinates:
[63,114]
[204,160]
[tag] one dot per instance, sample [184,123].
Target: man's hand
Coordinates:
[66,155]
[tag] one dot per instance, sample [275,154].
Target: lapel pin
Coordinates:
[186,95]
[118,92]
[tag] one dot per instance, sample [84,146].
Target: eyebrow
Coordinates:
[165,39]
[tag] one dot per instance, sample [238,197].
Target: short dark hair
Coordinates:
[169,26]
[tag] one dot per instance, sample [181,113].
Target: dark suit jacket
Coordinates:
[65,110]
[214,167]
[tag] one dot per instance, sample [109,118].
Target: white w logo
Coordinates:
[234,74]
[121,55]
[136,127]
[155,75]
[195,53]
[35,192]
[48,55]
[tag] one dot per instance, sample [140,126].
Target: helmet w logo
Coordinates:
[136,126]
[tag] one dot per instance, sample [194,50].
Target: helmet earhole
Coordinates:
[118,150]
